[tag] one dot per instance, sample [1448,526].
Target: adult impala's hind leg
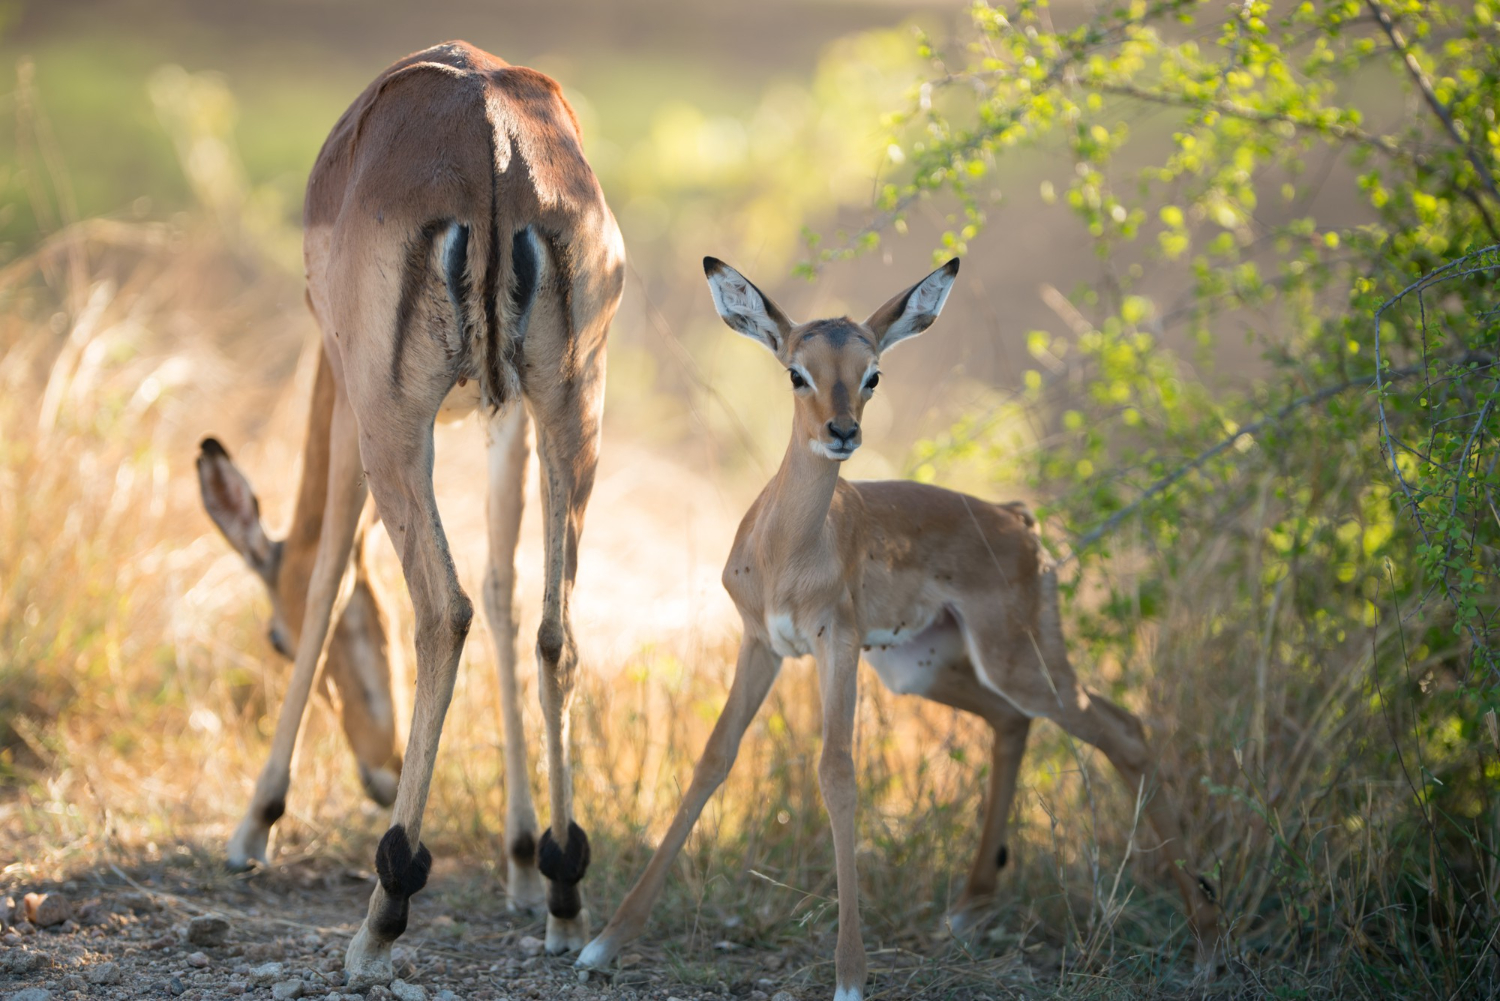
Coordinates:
[398,453]
[568,444]
[344,502]
[508,454]
[957,685]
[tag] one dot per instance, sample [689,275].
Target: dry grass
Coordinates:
[137,694]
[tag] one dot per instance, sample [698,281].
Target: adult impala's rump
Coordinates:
[951,597]
[459,255]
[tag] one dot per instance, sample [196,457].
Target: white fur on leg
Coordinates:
[525,891]
[598,954]
[250,842]
[367,962]
[965,921]
[849,994]
[567,934]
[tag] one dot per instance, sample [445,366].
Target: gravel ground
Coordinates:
[281,934]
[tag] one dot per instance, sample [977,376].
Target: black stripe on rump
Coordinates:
[456,277]
[413,277]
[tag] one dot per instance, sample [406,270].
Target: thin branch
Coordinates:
[1327,392]
[1445,116]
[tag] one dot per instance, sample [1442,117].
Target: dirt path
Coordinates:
[281,934]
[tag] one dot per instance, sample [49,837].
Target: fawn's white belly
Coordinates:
[907,660]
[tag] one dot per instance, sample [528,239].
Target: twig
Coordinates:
[1327,392]
[1438,108]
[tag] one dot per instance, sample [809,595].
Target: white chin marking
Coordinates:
[820,448]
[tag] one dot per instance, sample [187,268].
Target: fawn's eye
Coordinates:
[872,381]
[797,381]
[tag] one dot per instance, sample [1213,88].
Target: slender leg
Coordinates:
[345,500]
[397,449]
[838,667]
[1119,734]
[756,670]
[956,685]
[1037,675]
[569,456]
[508,455]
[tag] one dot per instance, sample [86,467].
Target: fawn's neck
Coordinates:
[799,497]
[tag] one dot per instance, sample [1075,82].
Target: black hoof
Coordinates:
[523,850]
[1002,858]
[564,869]
[402,874]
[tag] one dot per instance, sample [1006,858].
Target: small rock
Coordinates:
[8,911]
[206,929]
[724,945]
[176,987]
[234,987]
[47,909]
[286,990]
[446,996]
[72,982]
[164,942]
[531,945]
[675,998]
[265,975]
[16,961]
[140,903]
[408,992]
[30,994]
[197,959]
[783,996]
[758,996]
[379,993]
[104,973]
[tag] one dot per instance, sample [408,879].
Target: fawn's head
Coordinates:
[833,365]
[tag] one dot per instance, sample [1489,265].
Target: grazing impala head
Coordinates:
[234,508]
[363,665]
[834,365]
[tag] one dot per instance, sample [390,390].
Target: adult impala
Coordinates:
[459,255]
[951,597]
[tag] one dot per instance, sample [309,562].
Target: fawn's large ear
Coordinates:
[913,311]
[234,508]
[746,308]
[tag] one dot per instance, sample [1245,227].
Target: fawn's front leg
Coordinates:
[838,673]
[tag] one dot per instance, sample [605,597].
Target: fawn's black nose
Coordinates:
[845,433]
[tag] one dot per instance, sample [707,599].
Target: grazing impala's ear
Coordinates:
[234,508]
[745,307]
[913,311]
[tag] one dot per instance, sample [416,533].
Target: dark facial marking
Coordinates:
[837,331]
